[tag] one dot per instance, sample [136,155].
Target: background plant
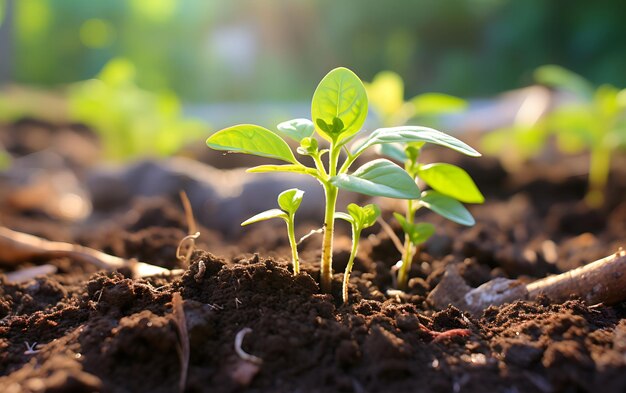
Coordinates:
[594,121]
[338,108]
[289,201]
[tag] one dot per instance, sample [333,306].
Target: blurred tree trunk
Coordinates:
[6,43]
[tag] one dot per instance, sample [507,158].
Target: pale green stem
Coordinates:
[599,168]
[291,233]
[356,234]
[407,256]
[330,192]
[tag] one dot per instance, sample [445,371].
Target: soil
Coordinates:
[94,331]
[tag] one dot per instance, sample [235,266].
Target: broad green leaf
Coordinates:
[282,168]
[365,216]
[447,207]
[418,233]
[297,129]
[340,96]
[393,151]
[379,178]
[251,139]
[434,104]
[452,181]
[559,77]
[266,215]
[290,200]
[405,134]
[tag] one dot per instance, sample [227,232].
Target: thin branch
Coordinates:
[392,235]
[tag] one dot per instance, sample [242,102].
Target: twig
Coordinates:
[17,247]
[29,273]
[240,352]
[178,315]
[308,235]
[188,241]
[191,222]
[392,235]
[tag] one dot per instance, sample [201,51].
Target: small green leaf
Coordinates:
[406,134]
[379,178]
[557,76]
[452,181]
[344,216]
[447,207]
[435,104]
[418,233]
[251,139]
[308,146]
[297,129]
[290,200]
[364,217]
[339,105]
[282,168]
[393,151]
[266,215]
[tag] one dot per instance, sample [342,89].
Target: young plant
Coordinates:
[359,218]
[338,110]
[289,202]
[450,186]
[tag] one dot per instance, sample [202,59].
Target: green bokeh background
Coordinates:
[248,50]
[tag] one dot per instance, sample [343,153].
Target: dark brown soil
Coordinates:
[104,332]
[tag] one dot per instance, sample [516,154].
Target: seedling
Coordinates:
[289,202]
[450,185]
[359,218]
[338,110]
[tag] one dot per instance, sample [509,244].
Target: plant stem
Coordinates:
[330,192]
[407,255]
[291,233]
[599,168]
[356,234]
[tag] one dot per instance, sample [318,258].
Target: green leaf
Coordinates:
[345,216]
[364,217]
[308,146]
[393,151]
[452,181]
[297,129]
[251,139]
[418,233]
[379,178]
[266,215]
[435,104]
[406,134]
[340,100]
[559,77]
[290,200]
[294,168]
[447,207]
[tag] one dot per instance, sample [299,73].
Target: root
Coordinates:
[178,315]
[240,352]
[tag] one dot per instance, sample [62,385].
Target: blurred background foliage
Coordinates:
[247,50]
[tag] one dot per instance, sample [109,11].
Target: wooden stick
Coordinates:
[602,281]
[17,247]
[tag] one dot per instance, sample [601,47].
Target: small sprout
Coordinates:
[359,218]
[289,202]
[239,350]
[338,111]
